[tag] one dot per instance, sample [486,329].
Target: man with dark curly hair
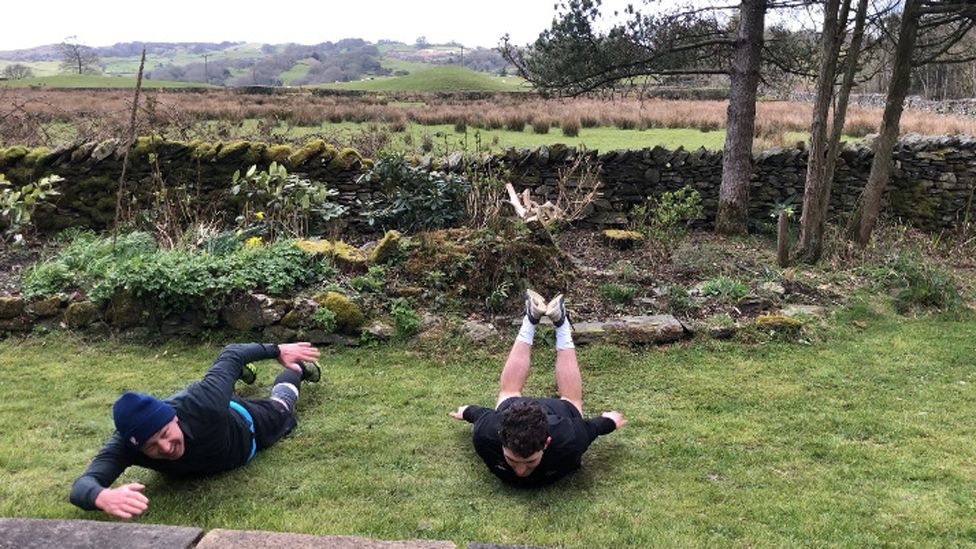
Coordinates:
[534,441]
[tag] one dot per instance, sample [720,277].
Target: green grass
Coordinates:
[865,439]
[298,70]
[441,78]
[95,81]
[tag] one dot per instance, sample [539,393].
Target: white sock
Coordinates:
[564,337]
[527,331]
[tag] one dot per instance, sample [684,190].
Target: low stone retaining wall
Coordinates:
[932,184]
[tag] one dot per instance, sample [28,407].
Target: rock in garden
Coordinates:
[751,305]
[344,255]
[45,307]
[778,322]
[80,314]
[248,313]
[11,307]
[630,330]
[349,317]
[802,310]
[380,330]
[622,240]
[478,331]
[301,310]
[386,247]
[125,310]
[279,333]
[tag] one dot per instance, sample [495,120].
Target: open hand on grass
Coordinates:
[617,418]
[459,414]
[291,353]
[126,501]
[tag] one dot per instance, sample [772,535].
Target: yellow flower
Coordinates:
[252,242]
[259,215]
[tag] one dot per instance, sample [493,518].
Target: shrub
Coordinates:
[461,126]
[618,294]
[323,319]
[515,123]
[406,319]
[17,206]
[373,281]
[540,127]
[570,127]
[678,298]
[664,220]
[415,198]
[724,287]
[917,282]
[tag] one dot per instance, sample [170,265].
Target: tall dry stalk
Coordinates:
[128,146]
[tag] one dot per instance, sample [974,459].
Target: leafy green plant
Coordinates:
[678,298]
[283,204]
[664,220]
[725,288]
[618,294]
[323,319]
[405,317]
[496,299]
[17,206]
[415,198]
[917,282]
[374,281]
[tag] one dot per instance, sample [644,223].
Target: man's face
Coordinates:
[167,443]
[524,465]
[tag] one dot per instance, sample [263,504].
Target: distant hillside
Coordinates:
[440,78]
[249,64]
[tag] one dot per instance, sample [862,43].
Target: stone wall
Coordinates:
[932,187]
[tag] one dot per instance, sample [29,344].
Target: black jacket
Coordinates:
[571,436]
[216,438]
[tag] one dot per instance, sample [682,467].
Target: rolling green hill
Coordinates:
[440,78]
[95,81]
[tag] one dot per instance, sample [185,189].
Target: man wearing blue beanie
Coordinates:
[201,430]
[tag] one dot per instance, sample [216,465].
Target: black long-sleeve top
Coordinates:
[216,439]
[571,436]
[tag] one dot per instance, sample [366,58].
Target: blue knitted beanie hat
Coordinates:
[139,416]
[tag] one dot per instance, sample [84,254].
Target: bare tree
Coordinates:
[941,24]
[77,58]
[17,71]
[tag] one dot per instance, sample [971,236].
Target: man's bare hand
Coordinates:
[459,414]
[126,501]
[291,353]
[617,418]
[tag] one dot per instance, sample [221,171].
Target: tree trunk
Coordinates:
[733,198]
[866,214]
[812,221]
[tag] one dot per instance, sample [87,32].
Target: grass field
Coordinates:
[94,81]
[865,438]
[441,78]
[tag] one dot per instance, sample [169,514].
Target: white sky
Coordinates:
[105,22]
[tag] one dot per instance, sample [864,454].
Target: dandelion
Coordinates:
[259,215]
[252,242]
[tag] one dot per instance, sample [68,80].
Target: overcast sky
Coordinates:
[105,22]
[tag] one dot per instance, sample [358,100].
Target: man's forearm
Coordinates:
[84,491]
[473,413]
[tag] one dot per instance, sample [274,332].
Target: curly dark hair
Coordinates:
[524,428]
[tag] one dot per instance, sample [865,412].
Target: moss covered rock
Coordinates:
[388,246]
[277,153]
[622,240]
[316,149]
[80,314]
[11,307]
[779,322]
[349,317]
[344,255]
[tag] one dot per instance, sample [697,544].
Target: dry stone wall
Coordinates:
[932,186]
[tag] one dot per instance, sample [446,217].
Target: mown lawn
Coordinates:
[863,438]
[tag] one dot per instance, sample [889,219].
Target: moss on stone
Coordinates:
[349,317]
[343,254]
[621,239]
[308,152]
[277,153]
[386,247]
[234,152]
[36,156]
[11,155]
[143,146]
[778,322]
[205,152]
[912,202]
[346,159]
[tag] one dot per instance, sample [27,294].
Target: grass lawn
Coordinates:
[865,438]
[95,81]
[438,78]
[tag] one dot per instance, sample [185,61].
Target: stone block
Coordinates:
[83,534]
[630,330]
[45,307]
[11,307]
[243,539]
[80,314]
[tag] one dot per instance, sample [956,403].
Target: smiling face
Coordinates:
[523,466]
[167,443]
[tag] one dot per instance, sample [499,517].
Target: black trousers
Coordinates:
[272,421]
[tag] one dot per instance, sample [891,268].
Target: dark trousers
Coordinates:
[272,420]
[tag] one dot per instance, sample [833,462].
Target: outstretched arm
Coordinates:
[107,466]
[470,414]
[289,354]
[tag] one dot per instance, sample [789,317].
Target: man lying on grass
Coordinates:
[529,441]
[200,430]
